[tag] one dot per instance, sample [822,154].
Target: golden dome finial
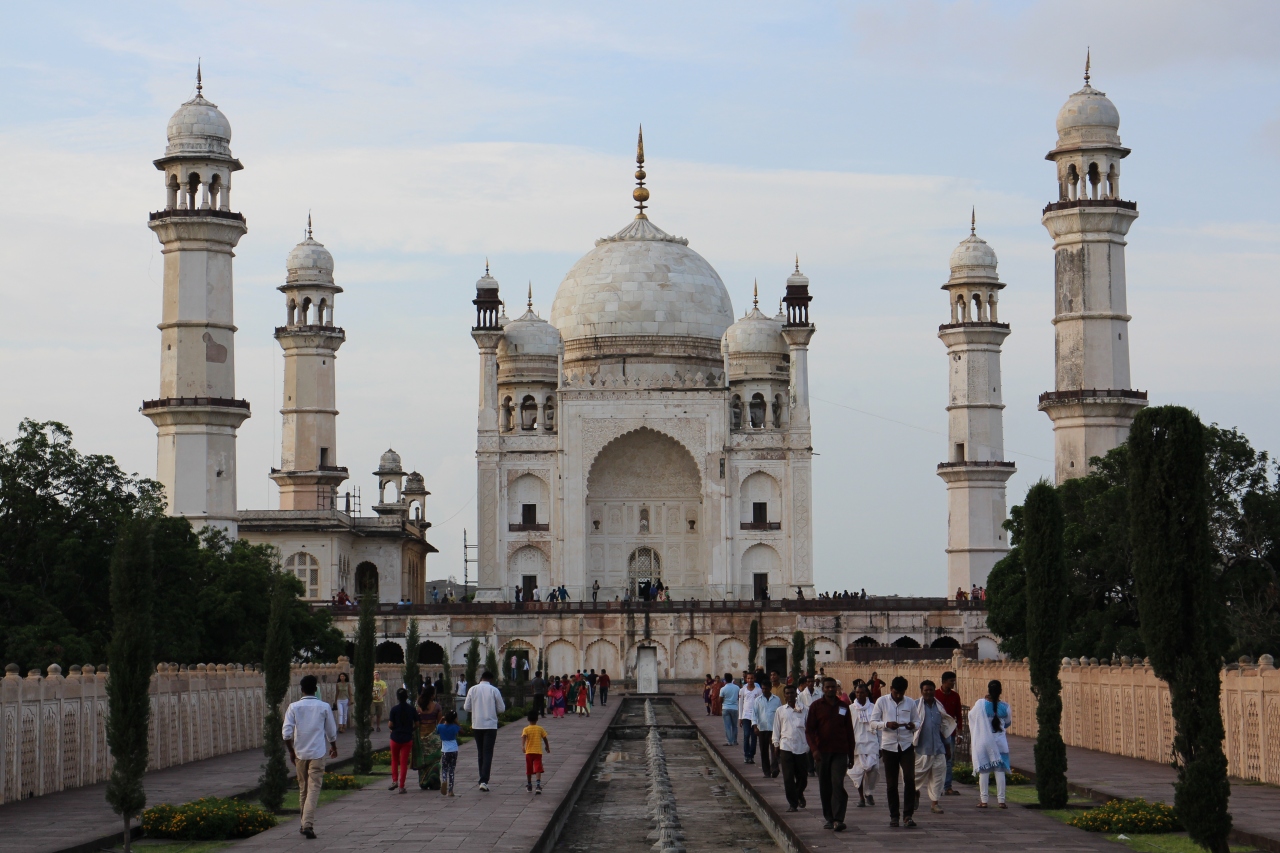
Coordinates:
[486,266]
[640,194]
[1088,54]
[308,225]
[797,263]
[973,221]
[199,81]
[755,293]
[529,305]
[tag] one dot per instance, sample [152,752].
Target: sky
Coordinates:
[424,138]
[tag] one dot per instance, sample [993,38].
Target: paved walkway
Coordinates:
[506,819]
[81,816]
[963,827]
[1255,808]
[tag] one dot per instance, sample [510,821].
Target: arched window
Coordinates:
[1095,180]
[293,310]
[907,643]
[757,411]
[1113,182]
[735,412]
[171,193]
[644,571]
[977,308]
[644,520]
[193,187]
[320,313]
[1073,181]
[507,413]
[528,413]
[215,190]
[549,413]
[777,411]
[306,311]
[367,580]
[307,568]
[945,643]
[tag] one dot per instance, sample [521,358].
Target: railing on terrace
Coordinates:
[761,525]
[808,605]
[1090,393]
[523,528]
[221,402]
[988,463]
[173,212]
[1090,202]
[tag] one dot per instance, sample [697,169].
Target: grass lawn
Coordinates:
[1171,842]
[326,796]
[164,845]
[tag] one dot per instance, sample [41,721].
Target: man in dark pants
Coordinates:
[484,704]
[793,748]
[539,687]
[830,733]
[602,684]
[894,716]
[767,706]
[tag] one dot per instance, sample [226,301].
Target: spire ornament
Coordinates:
[486,266]
[308,225]
[797,263]
[973,221]
[640,194]
[755,294]
[1088,55]
[529,304]
[199,81]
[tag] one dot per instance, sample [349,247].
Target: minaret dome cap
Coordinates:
[198,128]
[973,261]
[309,263]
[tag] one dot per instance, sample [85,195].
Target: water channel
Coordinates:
[655,789]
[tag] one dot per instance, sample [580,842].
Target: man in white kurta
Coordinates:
[933,726]
[866,760]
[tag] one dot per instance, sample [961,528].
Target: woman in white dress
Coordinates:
[989,720]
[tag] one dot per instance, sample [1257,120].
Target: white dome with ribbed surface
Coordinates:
[199,127]
[309,263]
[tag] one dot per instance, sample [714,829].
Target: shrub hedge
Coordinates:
[1128,816]
[208,819]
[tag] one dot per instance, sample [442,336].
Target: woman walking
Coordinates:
[426,743]
[584,708]
[402,721]
[343,701]
[555,698]
[706,693]
[989,721]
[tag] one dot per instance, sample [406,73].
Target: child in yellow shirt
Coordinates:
[534,738]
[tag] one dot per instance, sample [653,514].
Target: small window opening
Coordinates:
[528,513]
[760,512]
[958,455]
[324,457]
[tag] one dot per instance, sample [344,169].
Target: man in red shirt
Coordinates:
[829,731]
[602,685]
[950,700]
[875,686]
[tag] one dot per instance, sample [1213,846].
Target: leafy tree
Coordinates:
[1046,596]
[811,658]
[473,662]
[411,642]
[1180,606]
[362,758]
[276,661]
[797,654]
[131,663]
[753,644]
[446,681]
[491,662]
[1007,592]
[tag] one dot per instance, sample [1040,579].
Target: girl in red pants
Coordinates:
[403,720]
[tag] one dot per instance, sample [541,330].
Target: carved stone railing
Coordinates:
[1120,708]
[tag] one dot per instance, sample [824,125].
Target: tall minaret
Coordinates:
[797,331]
[1091,405]
[487,334]
[309,473]
[975,472]
[197,414]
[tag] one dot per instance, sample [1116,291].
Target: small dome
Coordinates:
[756,332]
[390,463]
[529,334]
[973,261]
[1088,116]
[309,263]
[414,484]
[486,281]
[199,128]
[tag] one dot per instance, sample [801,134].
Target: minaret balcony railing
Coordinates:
[529,528]
[1089,202]
[761,525]
[1091,393]
[172,212]
[982,324]
[218,402]
[986,463]
[311,329]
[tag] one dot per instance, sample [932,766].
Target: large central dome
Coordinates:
[642,281]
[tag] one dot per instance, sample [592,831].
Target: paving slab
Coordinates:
[963,826]
[1255,808]
[508,818]
[80,816]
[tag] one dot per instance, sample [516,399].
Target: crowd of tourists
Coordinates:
[810,727]
[977,593]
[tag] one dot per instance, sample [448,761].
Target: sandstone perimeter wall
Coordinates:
[53,733]
[1122,709]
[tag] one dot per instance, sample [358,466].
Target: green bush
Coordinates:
[339,782]
[208,819]
[1128,816]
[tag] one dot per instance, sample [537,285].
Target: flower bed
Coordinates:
[1128,816]
[208,819]
[339,782]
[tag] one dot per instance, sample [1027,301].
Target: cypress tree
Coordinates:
[491,663]
[276,657]
[753,644]
[1180,608]
[797,655]
[446,683]
[811,658]
[411,642]
[129,680]
[362,758]
[1046,596]
[473,662]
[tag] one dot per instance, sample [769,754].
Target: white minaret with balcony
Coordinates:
[309,473]
[197,413]
[975,471]
[1092,405]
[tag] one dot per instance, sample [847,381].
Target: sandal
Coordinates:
[1004,805]
[982,805]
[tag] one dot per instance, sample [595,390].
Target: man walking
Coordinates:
[729,709]
[830,732]
[894,718]
[379,698]
[603,684]
[309,733]
[766,707]
[950,700]
[592,678]
[866,759]
[747,715]
[539,687]
[595,589]
[484,704]
[933,725]
[793,748]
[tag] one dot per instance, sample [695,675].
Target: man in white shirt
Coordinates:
[484,704]
[866,756]
[309,733]
[793,748]
[894,717]
[747,716]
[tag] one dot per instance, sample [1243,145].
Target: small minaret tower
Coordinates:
[1091,406]
[197,413]
[975,472]
[487,333]
[309,473]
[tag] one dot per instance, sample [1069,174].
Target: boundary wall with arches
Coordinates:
[1120,708]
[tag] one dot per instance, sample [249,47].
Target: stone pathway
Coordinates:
[80,817]
[1255,808]
[506,819]
[963,827]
